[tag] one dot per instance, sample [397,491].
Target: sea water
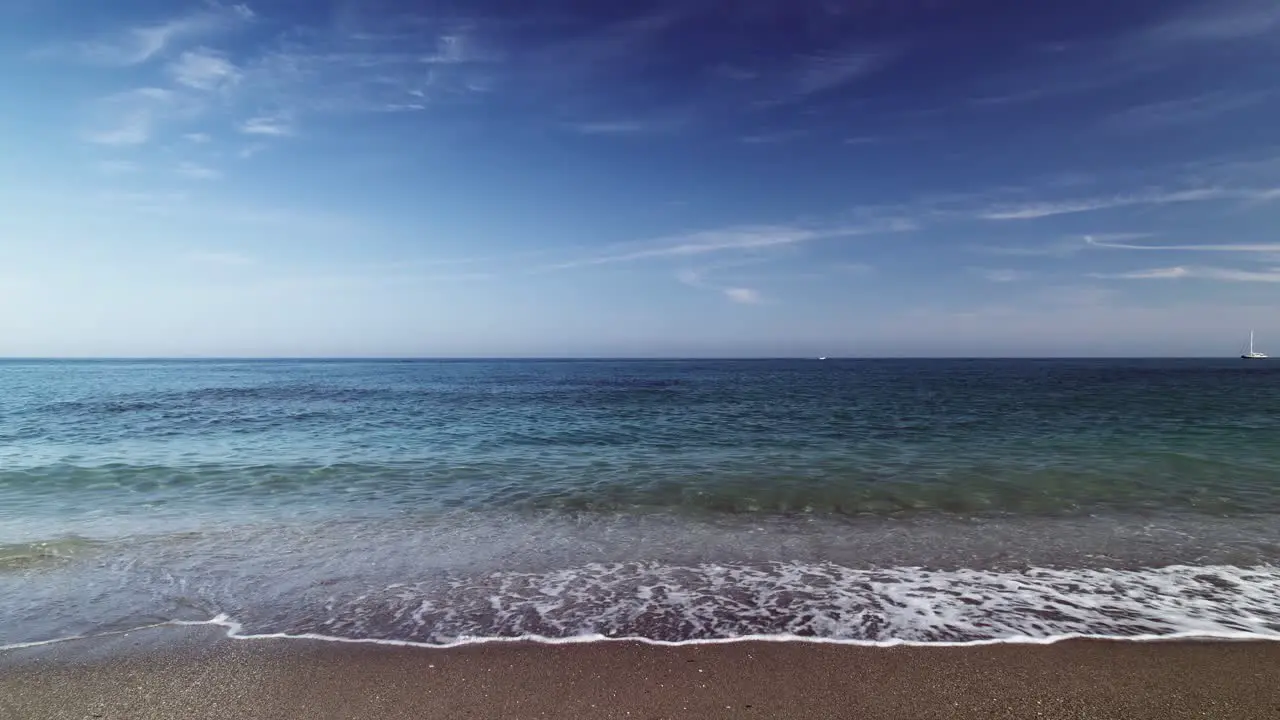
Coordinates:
[445,501]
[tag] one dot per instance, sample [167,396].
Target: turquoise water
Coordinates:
[432,500]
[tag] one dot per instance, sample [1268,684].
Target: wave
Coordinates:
[674,605]
[710,602]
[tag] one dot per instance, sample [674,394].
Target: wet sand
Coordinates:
[197,673]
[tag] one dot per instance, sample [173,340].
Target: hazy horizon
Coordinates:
[590,358]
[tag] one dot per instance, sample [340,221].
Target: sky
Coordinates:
[696,178]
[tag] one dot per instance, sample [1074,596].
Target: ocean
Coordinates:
[444,502]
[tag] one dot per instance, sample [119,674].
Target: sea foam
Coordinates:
[717,602]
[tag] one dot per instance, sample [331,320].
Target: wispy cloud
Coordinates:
[196,171]
[1001,275]
[381,67]
[1223,21]
[1104,242]
[118,167]
[198,138]
[743,296]
[204,69]
[1036,210]
[1064,69]
[129,118]
[743,239]
[1057,248]
[273,126]
[1204,273]
[619,127]
[1196,109]
[137,45]
[819,73]
[816,74]
[738,294]
[772,138]
[856,269]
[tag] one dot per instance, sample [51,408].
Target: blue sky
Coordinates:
[692,178]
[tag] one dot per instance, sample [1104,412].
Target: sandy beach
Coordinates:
[197,673]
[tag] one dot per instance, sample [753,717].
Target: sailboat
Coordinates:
[1252,354]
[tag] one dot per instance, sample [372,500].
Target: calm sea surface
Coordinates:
[436,501]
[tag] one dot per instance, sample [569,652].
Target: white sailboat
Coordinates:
[1252,354]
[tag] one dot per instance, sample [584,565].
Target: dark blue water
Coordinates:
[664,499]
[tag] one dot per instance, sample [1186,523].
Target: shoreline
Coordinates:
[231,630]
[199,672]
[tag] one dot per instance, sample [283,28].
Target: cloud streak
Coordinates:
[129,118]
[745,239]
[270,126]
[1059,249]
[204,69]
[1001,275]
[1037,210]
[743,296]
[618,127]
[1196,109]
[196,171]
[737,294]
[820,73]
[134,46]
[1181,272]
[1210,247]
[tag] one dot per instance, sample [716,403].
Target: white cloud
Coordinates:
[129,118]
[770,138]
[274,126]
[625,127]
[1001,275]
[1195,109]
[745,296]
[198,138]
[853,268]
[378,66]
[204,69]
[1036,210]
[1203,273]
[826,72]
[822,72]
[1223,247]
[1222,21]
[198,172]
[1169,273]
[1058,248]
[134,46]
[745,238]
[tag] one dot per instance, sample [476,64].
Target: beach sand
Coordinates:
[197,673]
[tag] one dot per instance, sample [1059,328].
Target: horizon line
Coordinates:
[574,358]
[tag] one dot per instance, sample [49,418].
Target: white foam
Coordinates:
[787,602]
[712,602]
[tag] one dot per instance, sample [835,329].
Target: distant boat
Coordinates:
[1252,354]
[824,357]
